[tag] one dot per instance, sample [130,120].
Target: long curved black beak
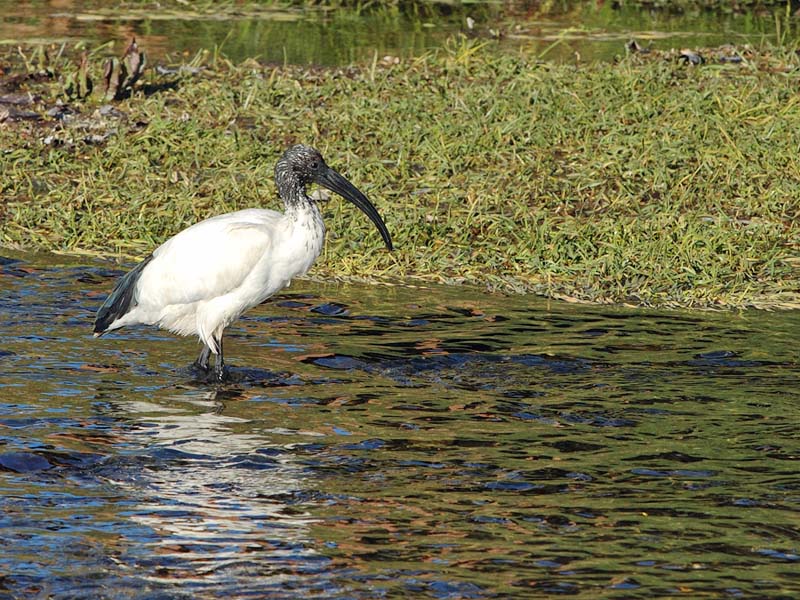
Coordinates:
[336,183]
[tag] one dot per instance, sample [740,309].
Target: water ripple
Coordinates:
[377,443]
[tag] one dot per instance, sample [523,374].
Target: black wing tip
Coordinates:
[119,301]
[108,313]
[100,327]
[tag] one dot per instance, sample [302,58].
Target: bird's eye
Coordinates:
[314,165]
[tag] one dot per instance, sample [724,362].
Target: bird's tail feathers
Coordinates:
[120,300]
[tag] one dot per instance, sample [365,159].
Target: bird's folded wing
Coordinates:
[207,260]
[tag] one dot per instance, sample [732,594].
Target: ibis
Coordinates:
[205,277]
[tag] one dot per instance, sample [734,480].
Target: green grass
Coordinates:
[644,182]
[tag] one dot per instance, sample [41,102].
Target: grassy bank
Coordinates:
[647,181]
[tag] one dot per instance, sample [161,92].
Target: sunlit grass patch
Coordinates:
[648,181]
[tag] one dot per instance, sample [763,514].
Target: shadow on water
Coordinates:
[383,441]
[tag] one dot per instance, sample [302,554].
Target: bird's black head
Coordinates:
[305,163]
[301,165]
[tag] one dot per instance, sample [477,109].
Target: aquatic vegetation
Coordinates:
[646,181]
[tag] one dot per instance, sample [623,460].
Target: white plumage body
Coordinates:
[206,276]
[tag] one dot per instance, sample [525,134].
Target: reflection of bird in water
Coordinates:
[215,501]
[204,278]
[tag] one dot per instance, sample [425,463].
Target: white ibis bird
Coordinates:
[205,277]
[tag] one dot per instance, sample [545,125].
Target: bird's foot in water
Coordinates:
[209,375]
[201,364]
[199,368]
[219,375]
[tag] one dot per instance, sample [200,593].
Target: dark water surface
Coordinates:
[395,442]
[583,31]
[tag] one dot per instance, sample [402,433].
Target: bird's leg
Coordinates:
[219,364]
[202,360]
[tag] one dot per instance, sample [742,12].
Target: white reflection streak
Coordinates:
[213,517]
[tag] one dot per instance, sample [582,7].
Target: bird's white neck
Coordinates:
[308,229]
[304,208]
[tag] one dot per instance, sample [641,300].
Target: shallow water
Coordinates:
[386,441]
[592,31]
